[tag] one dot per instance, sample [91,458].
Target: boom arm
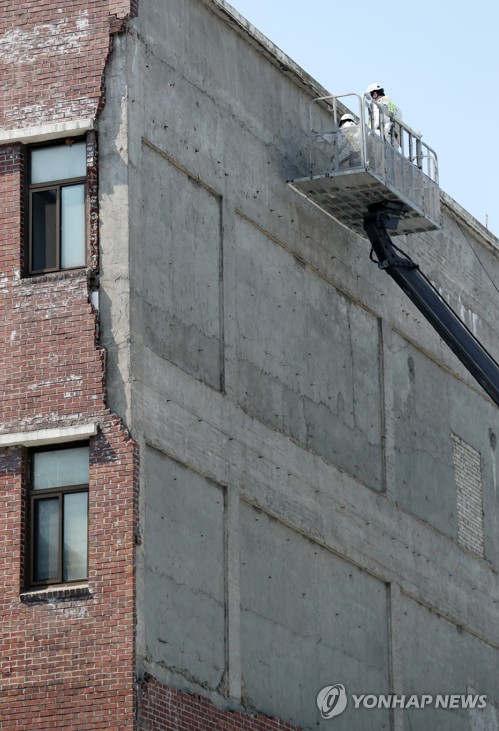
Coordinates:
[423,294]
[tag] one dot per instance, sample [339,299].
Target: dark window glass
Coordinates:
[57,185]
[46,538]
[59,509]
[44,229]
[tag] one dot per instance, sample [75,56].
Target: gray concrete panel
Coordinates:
[188,38]
[319,620]
[429,408]
[183,572]
[441,658]
[181,269]
[308,357]
[424,465]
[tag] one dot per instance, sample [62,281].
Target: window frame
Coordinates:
[52,492]
[57,185]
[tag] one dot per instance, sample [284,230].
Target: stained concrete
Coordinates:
[440,658]
[260,359]
[181,269]
[318,619]
[184,517]
[307,357]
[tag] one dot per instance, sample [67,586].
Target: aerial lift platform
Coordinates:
[349,174]
[372,181]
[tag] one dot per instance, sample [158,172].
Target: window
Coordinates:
[57,221]
[59,515]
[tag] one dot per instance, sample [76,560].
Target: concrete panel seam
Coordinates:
[192,176]
[221,297]
[395,653]
[467,381]
[232,590]
[346,293]
[149,443]
[453,620]
[319,541]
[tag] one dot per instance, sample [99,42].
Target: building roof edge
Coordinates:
[291,69]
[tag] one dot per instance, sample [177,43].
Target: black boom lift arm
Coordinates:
[481,365]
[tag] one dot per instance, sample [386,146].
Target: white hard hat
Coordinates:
[347,118]
[373,87]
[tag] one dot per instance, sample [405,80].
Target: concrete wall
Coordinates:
[295,413]
[442,656]
[314,613]
[185,516]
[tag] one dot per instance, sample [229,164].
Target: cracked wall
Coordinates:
[68,654]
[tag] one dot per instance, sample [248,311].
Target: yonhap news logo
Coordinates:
[333,699]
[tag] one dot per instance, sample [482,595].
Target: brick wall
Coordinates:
[52,57]
[51,369]
[66,662]
[67,657]
[165,709]
[468,476]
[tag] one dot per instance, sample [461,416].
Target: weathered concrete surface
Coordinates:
[424,445]
[277,365]
[307,357]
[181,269]
[318,620]
[184,517]
[443,658]
[114,291]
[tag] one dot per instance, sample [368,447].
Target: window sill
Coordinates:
[78,273]
[46,595]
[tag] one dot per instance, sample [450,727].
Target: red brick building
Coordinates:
[193,455]
[67,646]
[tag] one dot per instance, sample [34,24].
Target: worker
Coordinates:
[391,131]
[349,142]
[347,120]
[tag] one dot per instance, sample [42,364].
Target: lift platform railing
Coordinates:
[398,135]
[380,144]
[403,138]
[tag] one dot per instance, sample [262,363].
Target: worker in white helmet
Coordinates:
[382,118]
[349,142]
[347,120]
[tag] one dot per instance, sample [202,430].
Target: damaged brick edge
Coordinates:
[60,594]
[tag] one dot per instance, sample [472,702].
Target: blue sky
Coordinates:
[437,59]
